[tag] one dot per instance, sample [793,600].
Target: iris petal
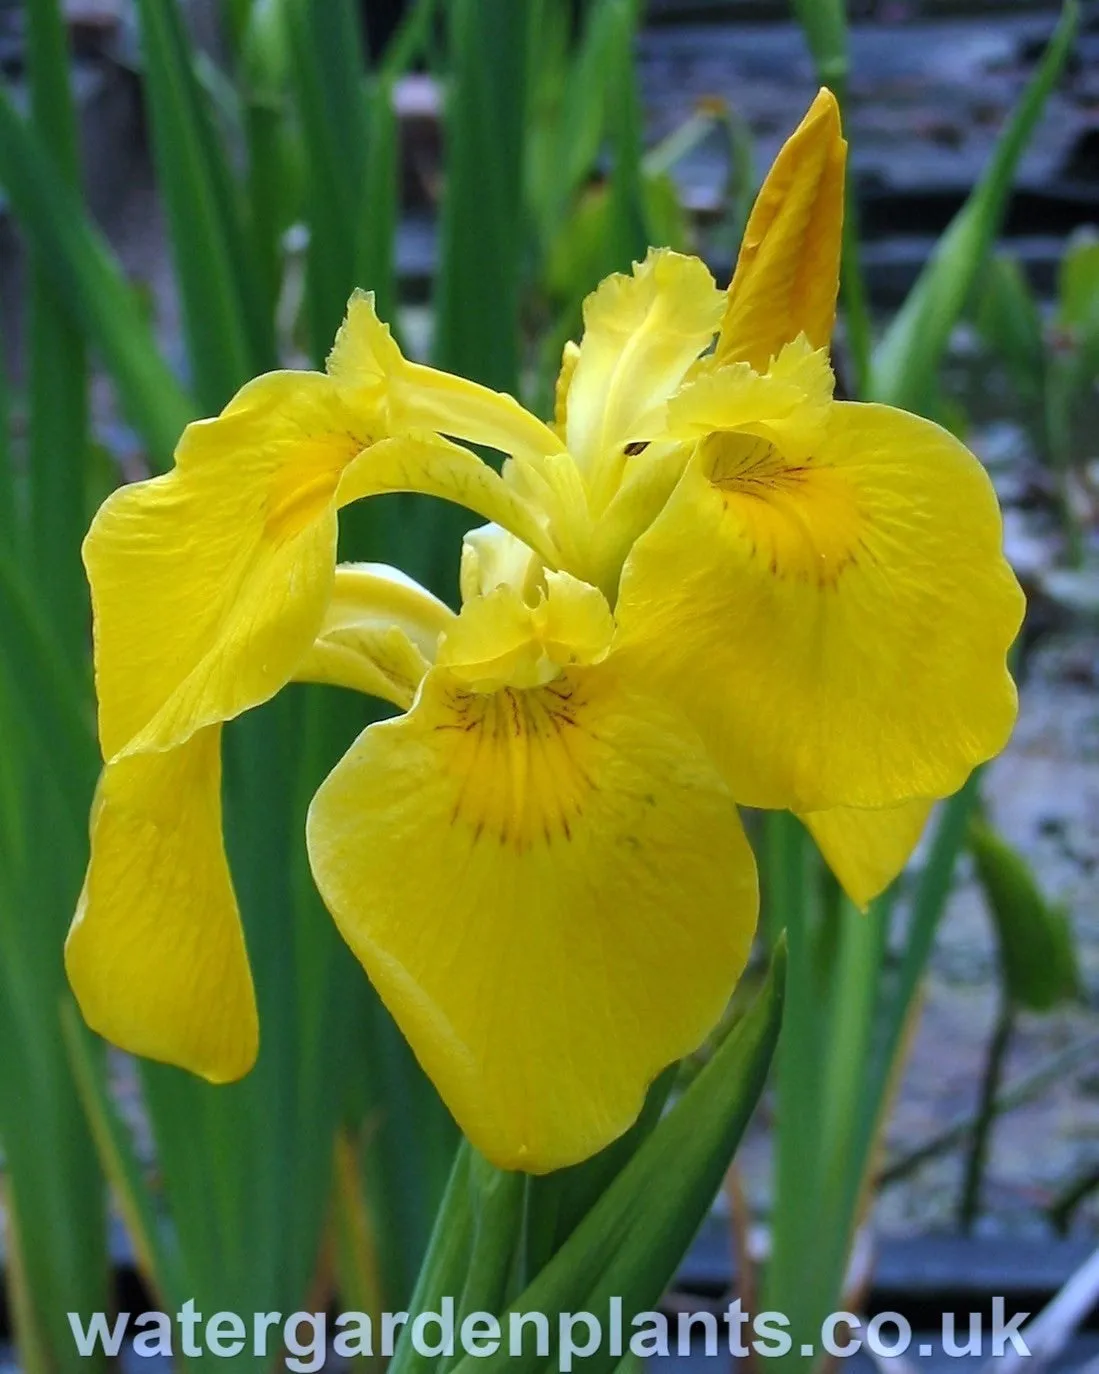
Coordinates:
[156,954]
[835,626]
[787,273]
[641,334]
[866,850]
[551,892]
[208,584]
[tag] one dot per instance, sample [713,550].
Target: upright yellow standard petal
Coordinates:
[552,894]
[156,954]
[641,334]
[866,850]
[836,625]
[787,274]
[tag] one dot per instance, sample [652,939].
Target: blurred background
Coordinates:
[189,189]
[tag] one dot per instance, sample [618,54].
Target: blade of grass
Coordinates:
[271,192]
[928,904]
[51,709]
[156,1262]
[11,516]
[29,1337]
[409,1153]
[56,1196]
[359,1280]
[228,340]
[568,97]
[497,1207]
[810,1275]
[482,231]
[327,65]
[859,1117]
[411,40]
[789,869]
[909,354]
[58,409]
[483,228]
[89,279]
[54,1181]
[445,1262]
[375,251]
[824,23]
[266,132]
[629,216]
[852,1022]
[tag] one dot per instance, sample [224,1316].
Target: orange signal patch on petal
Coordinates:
[551,891]
[835,625]
[787,273]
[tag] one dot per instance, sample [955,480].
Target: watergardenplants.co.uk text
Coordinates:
[307,1338]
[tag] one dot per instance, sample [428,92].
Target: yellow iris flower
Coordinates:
[707,583]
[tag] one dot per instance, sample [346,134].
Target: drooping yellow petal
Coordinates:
[835,626]
[379,635]
[552,894]
[787,274]
[366,363]
[866,850]
[156,954]
[209,584]
[641,334]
